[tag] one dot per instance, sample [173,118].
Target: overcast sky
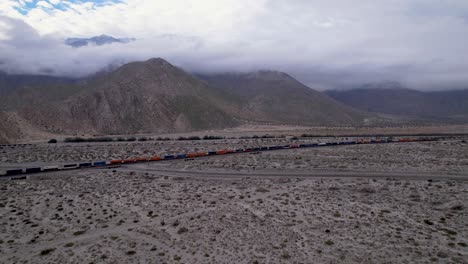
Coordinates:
[324,43]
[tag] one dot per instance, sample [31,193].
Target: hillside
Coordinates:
[276,97]
[156,97]
[12,82]
[140,97]
[449,106]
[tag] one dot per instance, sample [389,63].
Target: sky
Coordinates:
[326,44]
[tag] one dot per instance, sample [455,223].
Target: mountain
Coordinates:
[154,96]
[451,106]
[97,40]
[11,82]
[140,97]
[276,97]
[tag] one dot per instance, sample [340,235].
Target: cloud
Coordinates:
[326,44]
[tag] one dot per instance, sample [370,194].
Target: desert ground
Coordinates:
[386,203]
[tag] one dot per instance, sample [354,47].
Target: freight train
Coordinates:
[14,172]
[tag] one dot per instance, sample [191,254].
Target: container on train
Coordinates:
[155,158]
[211,153]
[181,156]
[99,163]
[168,157]
[141,159]
[14,172]
[85,164]
[50,168]
[113,162]
[33,170]
[70,166]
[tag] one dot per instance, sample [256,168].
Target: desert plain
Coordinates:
[383,203]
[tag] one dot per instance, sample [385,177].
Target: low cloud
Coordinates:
[334,44]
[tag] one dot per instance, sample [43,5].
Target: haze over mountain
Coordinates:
[392,98]
[97,40]
[155,96]
[422,44]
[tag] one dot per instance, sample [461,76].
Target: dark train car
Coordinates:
[70,166]
[99,163]
[85,164]
[33,170]
[14,172]
[211,153]
[169,157]
[181,156]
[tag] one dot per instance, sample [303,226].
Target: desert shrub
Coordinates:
[329,242]
[182,230]
[74,140]
[428,222]
[52,141]
[131,252]
[47,251]
[177,258]
[206,137]
[71,244]
[100,139]
[78,233]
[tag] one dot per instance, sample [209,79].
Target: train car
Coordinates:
[155,158]
[256,149]
[211,153]
[33,170]
[85,164]
[126,161]
[221,152]
[169,157]
[264,148]
[322,144]
[191,155]
[14,172]
[202,154]
[239,150]
[114,162]
[248,150]
[99,163]
[141,160]
[50,168]
[181,156]
[70,166]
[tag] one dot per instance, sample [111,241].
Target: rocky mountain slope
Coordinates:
[276,97]
[451,106]
[156,97]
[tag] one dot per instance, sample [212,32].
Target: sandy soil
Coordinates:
[390,203]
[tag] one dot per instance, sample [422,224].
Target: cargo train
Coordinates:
[14,172]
